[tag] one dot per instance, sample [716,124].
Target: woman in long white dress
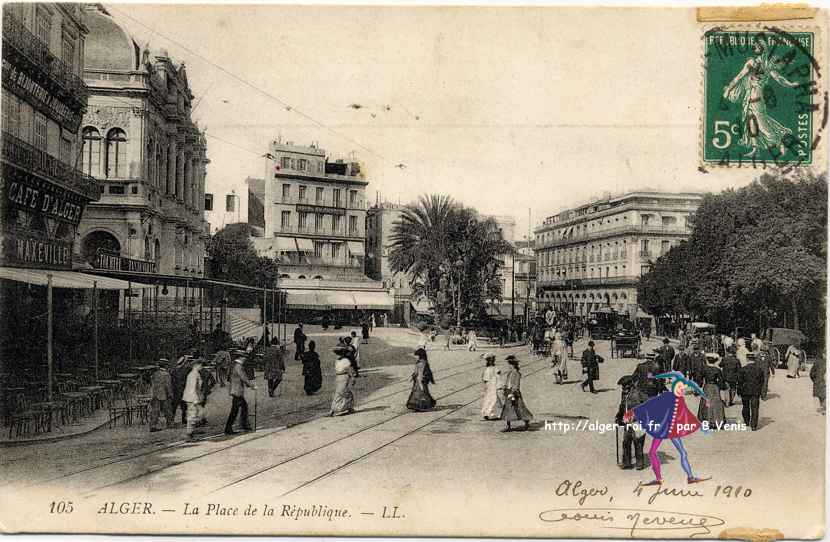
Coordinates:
[559,355]
[342,402]
[491,405]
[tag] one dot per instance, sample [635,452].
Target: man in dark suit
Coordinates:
[630,398]
[665,356]
[731,367]
[765,363]
[697,364]
[750,383]
[590,366]
[299,342]
[681,361]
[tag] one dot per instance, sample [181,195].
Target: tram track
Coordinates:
[362,430]
[318,406]
[295,457]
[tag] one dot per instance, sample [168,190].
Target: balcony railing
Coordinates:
[588,282]
[322,231]
[20,154]
[619,230]
[17,36]
[633,206]
[313,201]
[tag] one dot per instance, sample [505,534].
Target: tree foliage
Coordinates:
[758,249]
[234,259]
[452,255]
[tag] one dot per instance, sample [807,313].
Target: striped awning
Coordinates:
[286,244]
[305,245]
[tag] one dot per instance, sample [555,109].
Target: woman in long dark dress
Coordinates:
[420,398]
[711,406]
[311,370]
[514,408]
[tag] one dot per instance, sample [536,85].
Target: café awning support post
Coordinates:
[95,327]
[129,321]
[49,335]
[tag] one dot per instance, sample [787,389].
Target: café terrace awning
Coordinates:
[374,301]
[356,249]
[339,300]
[67,279]
[306,299]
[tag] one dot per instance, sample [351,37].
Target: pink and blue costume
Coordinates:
[667,417]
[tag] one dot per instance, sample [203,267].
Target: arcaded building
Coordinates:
[592,256]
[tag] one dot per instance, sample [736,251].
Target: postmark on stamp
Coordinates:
[763,104]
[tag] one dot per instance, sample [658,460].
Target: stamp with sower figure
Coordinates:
[763,104]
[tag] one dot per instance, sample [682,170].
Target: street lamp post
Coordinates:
[513,291]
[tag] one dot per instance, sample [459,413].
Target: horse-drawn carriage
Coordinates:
[625,342]
[601,324]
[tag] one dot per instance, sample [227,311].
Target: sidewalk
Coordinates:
[97,420]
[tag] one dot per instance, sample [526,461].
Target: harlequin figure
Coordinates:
[667,417]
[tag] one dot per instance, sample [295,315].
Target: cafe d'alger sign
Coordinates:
[34,196]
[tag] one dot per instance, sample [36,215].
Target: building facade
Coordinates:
[44,192]
[148,155]
[524,277]
[592,256]
[379,225]
[315,214]
[509,307]
[224,206]
[380,218]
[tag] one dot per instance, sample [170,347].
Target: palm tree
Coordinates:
[420,240]
[450,253]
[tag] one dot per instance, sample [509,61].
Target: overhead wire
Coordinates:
[247,83]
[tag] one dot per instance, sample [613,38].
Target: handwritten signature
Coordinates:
[635,520]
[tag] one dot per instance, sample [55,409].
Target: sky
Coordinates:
[505,109]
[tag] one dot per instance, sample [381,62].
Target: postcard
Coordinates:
[517,271]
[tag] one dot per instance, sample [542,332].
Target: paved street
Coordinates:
[392,457]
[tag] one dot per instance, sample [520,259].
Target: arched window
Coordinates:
[99,241]
[147,254]
[157,253]
[92,152]
[116,154]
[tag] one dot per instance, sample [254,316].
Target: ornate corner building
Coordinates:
[42,190]
[147,154]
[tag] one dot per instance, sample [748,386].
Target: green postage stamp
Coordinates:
[763,101]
